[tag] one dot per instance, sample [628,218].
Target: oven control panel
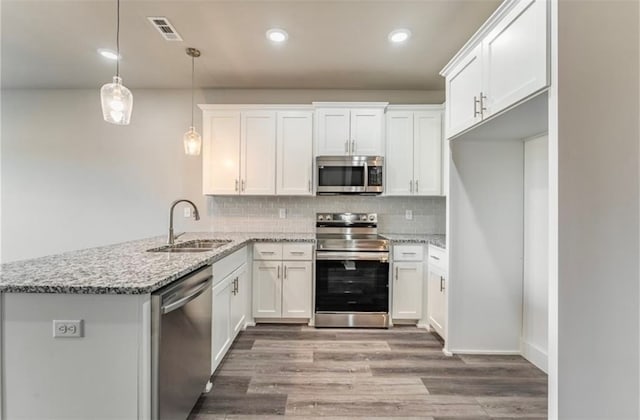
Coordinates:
[339,218]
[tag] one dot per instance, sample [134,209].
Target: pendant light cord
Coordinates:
[193,59]
[118,38]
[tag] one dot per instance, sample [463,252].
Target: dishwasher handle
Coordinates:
[193,293]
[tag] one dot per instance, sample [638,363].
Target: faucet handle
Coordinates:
[176,236]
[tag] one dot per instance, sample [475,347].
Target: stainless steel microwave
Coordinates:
[350,174]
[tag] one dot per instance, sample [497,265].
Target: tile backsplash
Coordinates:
[261,214]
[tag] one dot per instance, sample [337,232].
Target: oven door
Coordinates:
[352,281]
[341,176]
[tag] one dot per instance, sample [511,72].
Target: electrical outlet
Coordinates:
[187,212]
[283,213]
[408,214]
[67,329]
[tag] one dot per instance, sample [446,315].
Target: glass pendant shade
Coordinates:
[117,102]
[192,142]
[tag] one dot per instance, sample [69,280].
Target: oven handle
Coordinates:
[352,256]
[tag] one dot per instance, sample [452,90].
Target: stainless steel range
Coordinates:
[352,271]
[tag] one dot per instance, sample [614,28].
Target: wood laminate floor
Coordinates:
[276,371]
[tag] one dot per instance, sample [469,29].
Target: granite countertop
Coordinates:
[420,238]
[125,268]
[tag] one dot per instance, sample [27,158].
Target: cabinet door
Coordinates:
[407,290]
[221,323]
[515,56]
[463,87]
[221,152]
[400,154]
[239,299]
[427,153]
[258,157]
[436,302]
[366,132]
[296,289]
[295,153]
[333,131]
[267,289]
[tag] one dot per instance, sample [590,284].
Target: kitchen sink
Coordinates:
[196,245]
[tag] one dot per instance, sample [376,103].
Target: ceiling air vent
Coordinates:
[165,28]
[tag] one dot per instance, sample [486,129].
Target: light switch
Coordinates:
[408,214]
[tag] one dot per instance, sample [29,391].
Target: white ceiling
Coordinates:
[338,44]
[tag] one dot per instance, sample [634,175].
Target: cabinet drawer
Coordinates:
[297,251]
[408,253]
[438,258]
[267,251]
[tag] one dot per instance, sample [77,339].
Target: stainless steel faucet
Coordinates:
[196,215]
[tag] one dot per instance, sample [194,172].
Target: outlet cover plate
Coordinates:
[68,328]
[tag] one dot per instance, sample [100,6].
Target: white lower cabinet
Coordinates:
[407,290]
[282,289]
[267,289]
[296,289]
[408,282]
[437,290]
[229,303]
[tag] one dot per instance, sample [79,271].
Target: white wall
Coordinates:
[536,269]
[485,253]
[70,180]
[598,292]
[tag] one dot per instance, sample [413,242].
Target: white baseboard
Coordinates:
[486,352]
[535,355]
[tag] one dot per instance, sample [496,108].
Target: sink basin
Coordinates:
[196,245]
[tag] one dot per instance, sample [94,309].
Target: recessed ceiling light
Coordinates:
[399,35]
[277,35]
[111,55]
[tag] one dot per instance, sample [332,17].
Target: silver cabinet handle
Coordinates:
[353,147]
[476,101]
[408,253]
[441,283]
[396,273]
[482,107]
[346,146]
[285,271]
[237,184]
[309,185]
[267,252]
[297,252]
[435,258]
[244,185]
[416,186]
[278,272]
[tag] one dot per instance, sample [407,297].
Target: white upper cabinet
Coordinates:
[463,89]
[367,132]
[505,62]
[414,151]
[350,129]
[399,158]
[295,153]
[221,152]
[334,132]
[515,56]
[427,153]
[258,157]
[257,150]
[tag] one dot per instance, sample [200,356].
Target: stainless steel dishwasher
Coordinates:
[180,344]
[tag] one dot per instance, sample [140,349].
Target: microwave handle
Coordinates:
[366,176]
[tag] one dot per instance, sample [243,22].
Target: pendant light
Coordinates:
[192,140]
[116,99]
